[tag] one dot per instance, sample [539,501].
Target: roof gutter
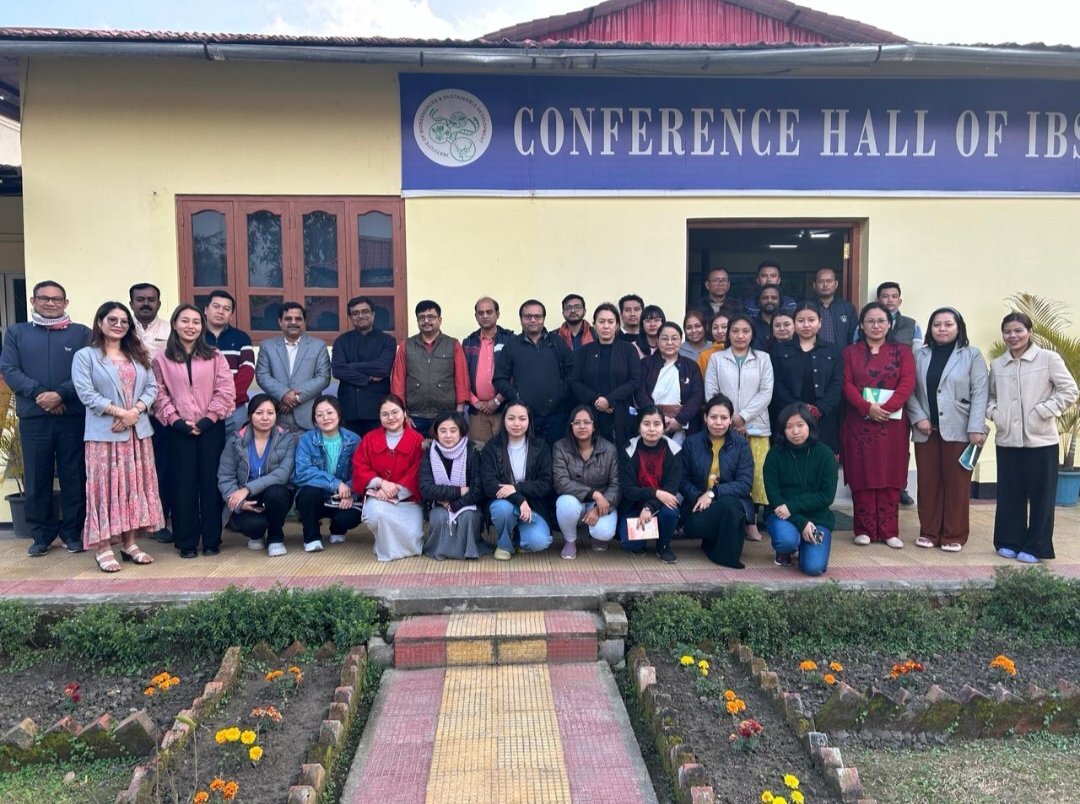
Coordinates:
[537,56]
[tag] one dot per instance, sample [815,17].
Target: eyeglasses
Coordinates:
[428,317]
[581,423]
[719,281]
[876,322]
[532,317]
[113,321]
[572,307]
[669,339]
[50,299]
[360,313]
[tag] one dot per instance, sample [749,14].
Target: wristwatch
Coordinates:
[712,494]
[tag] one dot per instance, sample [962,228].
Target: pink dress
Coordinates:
[121,481]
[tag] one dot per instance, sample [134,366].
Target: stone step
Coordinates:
[497,638]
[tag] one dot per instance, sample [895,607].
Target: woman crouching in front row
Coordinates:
[650,472]
[800,479]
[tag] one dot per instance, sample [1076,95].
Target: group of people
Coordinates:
[632,426]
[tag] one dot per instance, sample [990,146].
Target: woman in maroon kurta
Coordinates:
[874,445]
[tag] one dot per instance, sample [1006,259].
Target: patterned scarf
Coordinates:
[63,322]
[458,477]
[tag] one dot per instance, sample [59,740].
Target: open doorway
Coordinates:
[800,247]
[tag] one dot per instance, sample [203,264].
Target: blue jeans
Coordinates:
[535,535]
[667,519]
[786,539]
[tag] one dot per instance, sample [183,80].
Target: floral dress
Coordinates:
[121,481]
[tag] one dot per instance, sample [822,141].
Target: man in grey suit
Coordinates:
[293,369]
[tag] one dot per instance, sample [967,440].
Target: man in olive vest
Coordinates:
[430,373]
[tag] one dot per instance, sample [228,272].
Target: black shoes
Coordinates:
[782,559]
[36,550]
[164,536]
[211,551]
[666,555]
[189,554]
[75,547]
[905,498]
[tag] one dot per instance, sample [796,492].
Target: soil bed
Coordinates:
[284,744]
[38,693]
[863,668]
[737,777]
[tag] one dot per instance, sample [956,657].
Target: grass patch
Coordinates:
[1038,767]
[94,782]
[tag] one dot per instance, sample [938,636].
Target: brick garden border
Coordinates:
[145,777]
[316,771]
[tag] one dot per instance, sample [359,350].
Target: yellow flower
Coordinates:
[230,791]
[217,785]
[255,753]
[829,678]
[232,734]
[686,661]
[779,800]
[704,671]
[836,667]
[703,664]
[273,674]
[796,797]
[808,665]
[767,796]
[222,736]
[791,781]
[247,737]
[729,695]
[201,797]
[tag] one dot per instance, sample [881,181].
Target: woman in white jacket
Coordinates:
[1030,388]
[745,376]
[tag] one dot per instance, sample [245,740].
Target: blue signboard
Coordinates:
[542,134]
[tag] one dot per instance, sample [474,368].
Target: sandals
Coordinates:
[133,553]
[952,547]
[922,541]
[107,562]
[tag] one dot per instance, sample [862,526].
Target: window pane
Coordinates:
[208,248]
[320,250]
[264,311]
[376,250]
[322,313]
[264,250]
[384,313]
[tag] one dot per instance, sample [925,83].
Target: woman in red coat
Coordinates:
[879,376]
[386,470]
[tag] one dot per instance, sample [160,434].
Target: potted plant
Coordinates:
[1049,324]
[11,455]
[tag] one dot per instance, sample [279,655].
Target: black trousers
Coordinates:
[309,505]
[54,445]
[1026,493]
[269,523]
[197,503]
[720,527]
[162,465]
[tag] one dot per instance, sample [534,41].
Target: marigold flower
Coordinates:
[295,670]
[836,667]
[791,782]
[149,692]
[779,800]
[729,695]
[248,737]
[686,661]
[703,664]
[74,692]
[255,753]
[736,706]
[796,797]
[232,734]
[767,796]
[201,797]
[217,785]
[273,674]
[808,665]
[230,791]
[1004,663]
[221,737]
[704,671]
[159,678]
[829,679]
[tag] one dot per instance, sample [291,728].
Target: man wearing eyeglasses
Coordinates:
[716,298]
[575,330]
[535,369]
[36,365]
[362,360]
[430,372]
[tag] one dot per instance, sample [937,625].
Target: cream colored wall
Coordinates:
[109,144]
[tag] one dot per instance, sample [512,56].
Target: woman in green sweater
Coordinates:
[800,481]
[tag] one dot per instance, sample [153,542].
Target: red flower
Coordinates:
[74,692]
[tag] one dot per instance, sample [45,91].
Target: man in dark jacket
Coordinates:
[534,368]
[36,365]
[717,298]
[838,316]
[361,363]
[482,349]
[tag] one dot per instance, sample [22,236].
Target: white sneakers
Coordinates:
[862,540]
[313,547]
[337,538]
[276,549]
[256,544]
[895,542]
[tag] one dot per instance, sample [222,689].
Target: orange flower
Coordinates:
[808,665]
[295,670]
[729,695]
[736,706]
[829,679]
[836,667]
[149,692]
[230,791]
[201,797]
[217,785]
[273,674]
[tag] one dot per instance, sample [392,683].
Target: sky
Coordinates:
[932,21]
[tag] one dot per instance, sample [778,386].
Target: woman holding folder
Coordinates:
[879,376]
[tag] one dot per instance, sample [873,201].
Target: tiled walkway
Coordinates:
[76,576]
[518,733]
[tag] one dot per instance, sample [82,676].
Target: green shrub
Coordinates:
[1035,606]
[18,626]
[754,617]
[667,620]
[101,636]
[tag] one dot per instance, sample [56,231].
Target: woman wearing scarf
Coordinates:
[450,486]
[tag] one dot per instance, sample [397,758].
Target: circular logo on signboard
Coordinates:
[452,127]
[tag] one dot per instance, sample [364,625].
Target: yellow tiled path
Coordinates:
[497,738]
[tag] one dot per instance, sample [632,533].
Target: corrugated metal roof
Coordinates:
[721,21]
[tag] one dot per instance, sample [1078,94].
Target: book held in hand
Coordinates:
[637,533]
[880,396]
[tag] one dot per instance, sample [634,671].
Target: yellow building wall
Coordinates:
[109,144]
